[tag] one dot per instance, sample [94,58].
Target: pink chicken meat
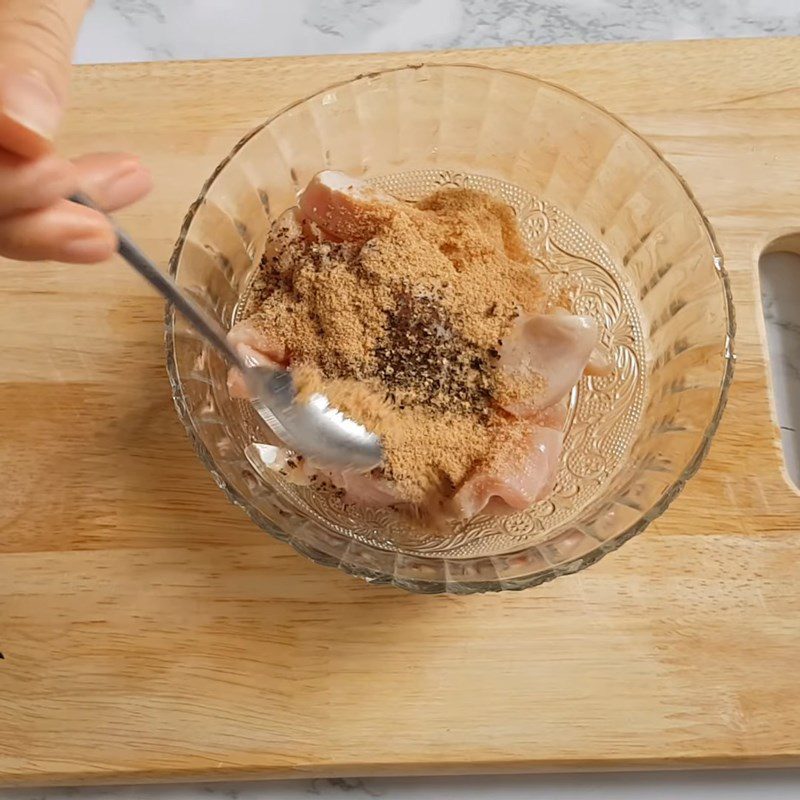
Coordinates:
[547,353]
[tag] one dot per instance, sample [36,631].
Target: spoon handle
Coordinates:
[163,283]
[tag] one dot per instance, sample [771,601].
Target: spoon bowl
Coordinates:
[314,428]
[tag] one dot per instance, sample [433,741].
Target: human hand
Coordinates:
[37,38]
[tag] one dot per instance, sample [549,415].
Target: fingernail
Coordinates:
[87,249]
[126,185]
[130,165]
[30,102]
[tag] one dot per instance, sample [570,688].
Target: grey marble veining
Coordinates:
[727,785]
[124,30]
[503,22]
[780,297]
[135,30]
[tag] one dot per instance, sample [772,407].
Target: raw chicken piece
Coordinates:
[521,472]
[256,348]
[545,354]
[287,227]
[345,207]
[365,490]
[553,416]
[599,362]
[271,347]
[555,347]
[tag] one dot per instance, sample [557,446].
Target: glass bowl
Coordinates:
[604,214]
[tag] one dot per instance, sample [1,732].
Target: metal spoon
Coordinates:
[316,429]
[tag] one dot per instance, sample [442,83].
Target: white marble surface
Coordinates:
[125,30]
[780,291]
[129,30]
[730,785]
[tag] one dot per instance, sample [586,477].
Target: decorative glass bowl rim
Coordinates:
[464,587]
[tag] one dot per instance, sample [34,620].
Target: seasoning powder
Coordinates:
[402,331]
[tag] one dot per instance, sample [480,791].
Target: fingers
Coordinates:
[37,38]
[63,231]
[29,113]
[113,180]
[37,223]
[28,184]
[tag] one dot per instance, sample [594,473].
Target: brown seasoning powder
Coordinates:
[402,331]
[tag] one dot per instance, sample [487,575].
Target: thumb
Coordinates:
[37,38]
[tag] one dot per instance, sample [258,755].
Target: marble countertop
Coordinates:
[729,785]
[136,30]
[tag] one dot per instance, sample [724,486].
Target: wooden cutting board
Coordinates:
[151,632]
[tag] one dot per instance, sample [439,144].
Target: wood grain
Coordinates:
[150,632]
